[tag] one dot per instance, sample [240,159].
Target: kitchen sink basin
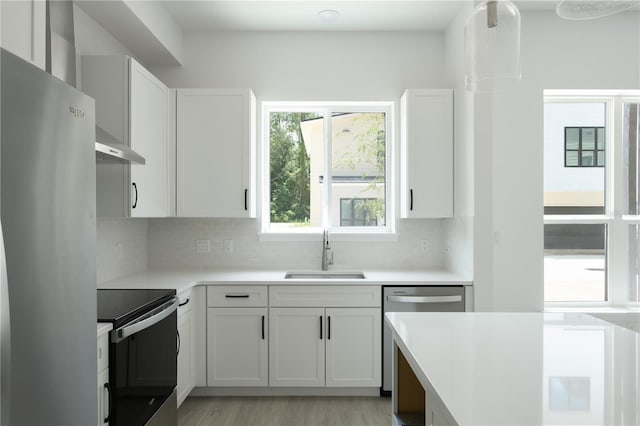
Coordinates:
[324,275]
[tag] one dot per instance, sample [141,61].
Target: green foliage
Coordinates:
[290,178]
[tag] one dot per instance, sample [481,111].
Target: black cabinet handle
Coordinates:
[183,303]
[320,327]
[246,207]
[107,419]
[236,296]
[135,200]
[328,328]
[263,327]
[179,342]
[411,199]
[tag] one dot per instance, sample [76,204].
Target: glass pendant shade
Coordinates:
[492,46]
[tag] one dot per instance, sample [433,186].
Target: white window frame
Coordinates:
[617,236]
[360,233]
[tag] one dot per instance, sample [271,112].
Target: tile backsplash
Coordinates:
[173,243]
[121,247]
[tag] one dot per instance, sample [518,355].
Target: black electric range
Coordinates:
[142,355]
[120,306]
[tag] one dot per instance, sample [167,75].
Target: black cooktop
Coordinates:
[120,306]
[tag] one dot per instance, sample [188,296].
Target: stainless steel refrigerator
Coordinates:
[48,256]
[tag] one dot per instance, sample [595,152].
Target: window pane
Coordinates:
[295,150]
[575,263]
[569,188]
[634,263]
[572,138]
[588,138]
[587,159]
[631,152]
[601,158]
[358,143]
[572,159]
[601,138]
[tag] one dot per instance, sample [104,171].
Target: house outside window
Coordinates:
[317,155]
[591,214]
[584,146]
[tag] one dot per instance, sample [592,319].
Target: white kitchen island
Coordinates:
[514,369]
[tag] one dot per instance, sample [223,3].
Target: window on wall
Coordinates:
[584,146]
[591,203]
[327,167]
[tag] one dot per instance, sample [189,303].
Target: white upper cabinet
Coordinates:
[215,153]
[132,106]
[426,154]
[23,29]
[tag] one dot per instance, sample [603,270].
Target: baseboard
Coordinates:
[283,391]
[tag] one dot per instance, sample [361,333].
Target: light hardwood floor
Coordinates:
[285,411]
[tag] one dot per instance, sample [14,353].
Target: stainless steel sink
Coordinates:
[324,275]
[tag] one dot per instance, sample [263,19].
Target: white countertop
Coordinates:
[183,279]
[104,327]
[524,368]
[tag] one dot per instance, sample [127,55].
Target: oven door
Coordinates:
[143,365]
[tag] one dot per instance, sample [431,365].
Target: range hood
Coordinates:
[109,150]
[61,63]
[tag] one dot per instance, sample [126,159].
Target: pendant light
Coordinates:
[492,46]
[591,9]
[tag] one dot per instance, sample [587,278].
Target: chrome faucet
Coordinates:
[327,254]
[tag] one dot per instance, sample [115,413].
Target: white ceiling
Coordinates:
[302,15]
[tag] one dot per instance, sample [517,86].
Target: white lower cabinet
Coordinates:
[237,347]
[186,346]
[103,389]
[237,333]
[103,397]
[296,350]
[332,346]
[353,347]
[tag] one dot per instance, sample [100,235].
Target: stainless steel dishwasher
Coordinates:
[414,299]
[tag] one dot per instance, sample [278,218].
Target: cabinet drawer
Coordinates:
[103,352]
[185,300]
[325,296]
[236,295]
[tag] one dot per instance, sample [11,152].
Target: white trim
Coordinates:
[617,249]
[553,219]
[386,233]
[316,235]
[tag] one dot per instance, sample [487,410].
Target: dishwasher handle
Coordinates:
[424,299]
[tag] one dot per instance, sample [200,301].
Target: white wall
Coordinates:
[303,66]
[459,230]
[556,54]
[121,243]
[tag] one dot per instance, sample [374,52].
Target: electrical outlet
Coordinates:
[424,245]
[227,246]
[203,246]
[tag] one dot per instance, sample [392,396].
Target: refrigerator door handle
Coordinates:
[153,317]
[424,299]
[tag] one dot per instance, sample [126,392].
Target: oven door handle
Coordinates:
[424,299]
[151,318]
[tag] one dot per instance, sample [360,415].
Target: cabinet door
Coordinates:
[296,347]
[215,153]
[426,154]
[186,363]
[353,347]
[148,109]
[104,398]
[237,347]
[23,29]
